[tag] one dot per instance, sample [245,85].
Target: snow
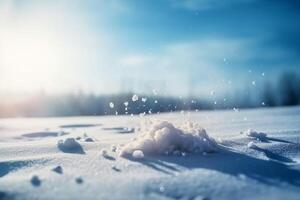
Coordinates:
[58,169]
[69,145]
[235,171]
[138,154]
[144,99]
[255,134]
[88,139]
[251,145]
[164,138]
[135,98]
[104,152]
[111,105]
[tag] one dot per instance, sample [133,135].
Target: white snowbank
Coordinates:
[255,134]
[164,138]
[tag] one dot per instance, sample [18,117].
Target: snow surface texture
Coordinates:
[29,167]
[164,138]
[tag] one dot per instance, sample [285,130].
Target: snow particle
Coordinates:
[111,105]
[144,99]
[126,103]
[253,83]
[135,98]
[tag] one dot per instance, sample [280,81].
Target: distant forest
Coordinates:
[286,92]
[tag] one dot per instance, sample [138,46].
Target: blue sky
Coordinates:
[178,47]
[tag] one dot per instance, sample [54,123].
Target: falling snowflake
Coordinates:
[111,105]
[144,99]
[126,103]
[135,97]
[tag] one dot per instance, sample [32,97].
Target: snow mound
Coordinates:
[257,135]
[70,145]
[165,138]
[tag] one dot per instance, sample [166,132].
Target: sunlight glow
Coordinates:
[29,60]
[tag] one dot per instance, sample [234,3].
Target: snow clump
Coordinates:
[165,138]
[69,145]
[111,105]
[135,97]
[138,154]
[257,135]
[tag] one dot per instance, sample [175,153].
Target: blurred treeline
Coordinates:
[284,92]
